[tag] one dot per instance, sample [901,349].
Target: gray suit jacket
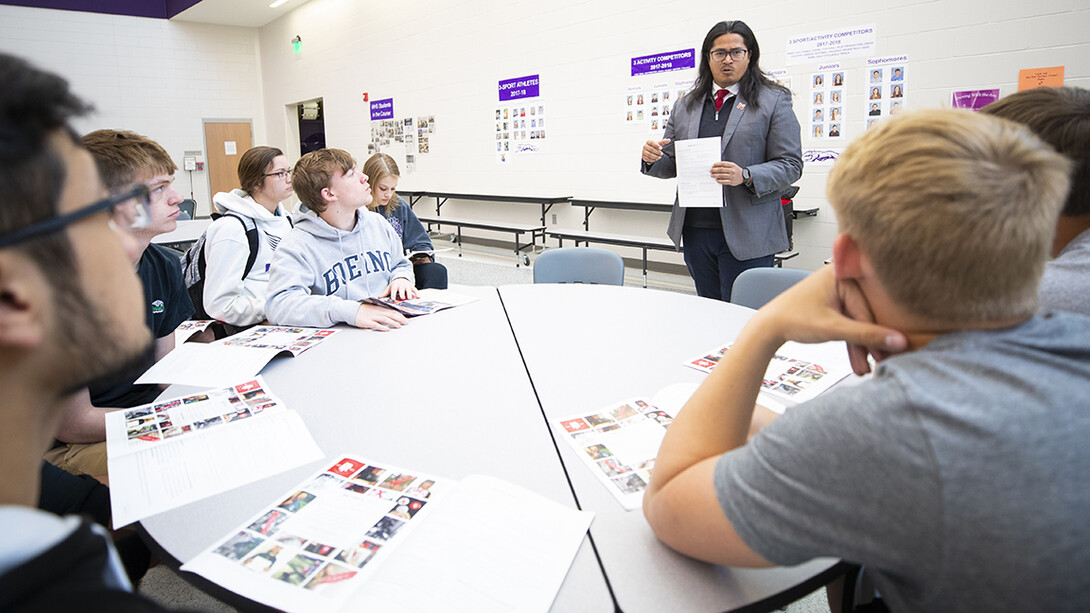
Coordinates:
[767,141]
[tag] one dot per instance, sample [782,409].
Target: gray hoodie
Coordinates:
[319,273]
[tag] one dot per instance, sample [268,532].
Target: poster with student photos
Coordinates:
[619,444]
[826,103]
[886,88]
[649,106]
[796,373]
[313,546]
[521,128]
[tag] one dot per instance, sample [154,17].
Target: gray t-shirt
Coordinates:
[1065,285]
[959,475]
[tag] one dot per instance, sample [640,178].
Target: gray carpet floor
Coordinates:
[476,266]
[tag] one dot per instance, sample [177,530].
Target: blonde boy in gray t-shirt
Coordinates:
[956,475]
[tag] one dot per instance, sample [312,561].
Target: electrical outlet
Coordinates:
[554,219]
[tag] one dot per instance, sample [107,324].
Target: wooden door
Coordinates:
[225,143]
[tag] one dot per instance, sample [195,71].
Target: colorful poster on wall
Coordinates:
[656,82]
[826,98]
[520,118]
[831,44]
[975,99]
[886,87]
[1030,78]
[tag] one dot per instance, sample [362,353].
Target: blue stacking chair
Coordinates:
[579,265]
[756,286]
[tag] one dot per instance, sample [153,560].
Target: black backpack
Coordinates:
[194,263]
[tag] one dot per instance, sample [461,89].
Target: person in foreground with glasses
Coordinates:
[957,474]
[125,159]
[71,312]
[232,294]
[734,100]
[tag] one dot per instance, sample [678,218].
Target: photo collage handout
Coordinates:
[796,373]
[172,452]
[826,109]
[619,444]
[187,329]
[154,423]
[886,88]
[430,301]
[291,339]
[314,545]
[233,359]
[520,128]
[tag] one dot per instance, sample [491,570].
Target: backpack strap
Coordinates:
[250,228]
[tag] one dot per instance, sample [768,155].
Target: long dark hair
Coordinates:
[751,82]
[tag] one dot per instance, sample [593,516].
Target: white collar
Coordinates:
[731,91]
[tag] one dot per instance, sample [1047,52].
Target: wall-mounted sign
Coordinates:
[382,109]
[520,87]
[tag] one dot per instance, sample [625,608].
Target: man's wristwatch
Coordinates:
[747,179]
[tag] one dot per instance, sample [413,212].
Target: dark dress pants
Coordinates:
[711,264]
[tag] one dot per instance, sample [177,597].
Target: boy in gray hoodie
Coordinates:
[338,254]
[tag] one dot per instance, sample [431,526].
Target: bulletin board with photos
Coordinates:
[886,88]
[650,105]
[520,128]
[826,103]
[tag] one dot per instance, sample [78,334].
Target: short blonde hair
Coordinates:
[314,172]
[955,210]
[376,168]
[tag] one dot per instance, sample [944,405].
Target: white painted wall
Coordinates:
[151,76]
[445,59]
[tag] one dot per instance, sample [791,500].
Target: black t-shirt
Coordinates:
[167,304]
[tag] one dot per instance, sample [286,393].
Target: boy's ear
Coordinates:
[847,258]
[23,294]
[328,195]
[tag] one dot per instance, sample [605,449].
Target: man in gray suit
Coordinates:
[762,156]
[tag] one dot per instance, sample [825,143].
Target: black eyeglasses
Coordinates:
[283,175]
[737,55]
[130,208]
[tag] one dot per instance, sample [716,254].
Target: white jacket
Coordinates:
[227,296]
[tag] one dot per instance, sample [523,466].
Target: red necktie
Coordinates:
[719,96]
